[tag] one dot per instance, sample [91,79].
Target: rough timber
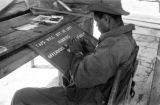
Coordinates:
[147,35]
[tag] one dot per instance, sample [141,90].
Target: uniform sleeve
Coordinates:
[94,69]
[98,67]
[122,50]
[88,44]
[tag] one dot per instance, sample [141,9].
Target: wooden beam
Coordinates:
[155,88]
[86,1]
[147,31]
[16,9]
[51,11]
[16,39]
[143,18]
[82,1]
[143,24]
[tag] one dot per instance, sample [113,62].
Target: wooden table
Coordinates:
[18,52]
[16,41]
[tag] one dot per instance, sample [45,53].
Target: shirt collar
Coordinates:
[117,32]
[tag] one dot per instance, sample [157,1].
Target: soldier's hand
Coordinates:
[74,46]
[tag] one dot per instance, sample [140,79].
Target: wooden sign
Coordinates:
[51,46]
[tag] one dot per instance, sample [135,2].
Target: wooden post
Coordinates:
[33,63]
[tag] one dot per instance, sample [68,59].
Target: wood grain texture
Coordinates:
[155,90]
[147,37]
[143,24]
[16,39]
[147,31]
[7,27]
[16,60]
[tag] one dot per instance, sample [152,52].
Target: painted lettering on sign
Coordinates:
[58,34]
[41,43]
[63,39]
[47,40]
[56,52]
[68,28]
[50,38]
[51,46]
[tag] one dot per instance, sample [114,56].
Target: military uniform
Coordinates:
[90,76]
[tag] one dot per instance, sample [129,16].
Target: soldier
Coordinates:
[91,68]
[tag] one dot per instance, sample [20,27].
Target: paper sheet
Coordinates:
[27,26]
[3,49]
[48,19]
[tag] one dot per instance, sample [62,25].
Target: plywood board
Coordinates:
[51,46]
[16,39]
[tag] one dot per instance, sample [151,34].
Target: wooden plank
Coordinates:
[145,63]
[147,31]
[152,45]
[143,80]
[155,90]
[147,53]
[146,41]
[7,27]
[148,47]
[144,75]
[16,60]
[143,18]
[87,1]
[82,1]
[143,24]
[18,39]
[146,57]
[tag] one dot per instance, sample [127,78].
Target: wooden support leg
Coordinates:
[60,82]
[32,63]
